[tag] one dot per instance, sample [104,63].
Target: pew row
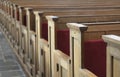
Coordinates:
[113,55]
[46,45]
[94,32]
[7,19]
[13,16]
[116,11]
[69,3]
[27,3]
[24,44]
[43,13]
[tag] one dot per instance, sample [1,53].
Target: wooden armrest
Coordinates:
[32,37]
[77,26]
[32,32]
[61,54]
[17,24]
[111,39]
[63,60]
[43,42]
[87,73]
[24,31]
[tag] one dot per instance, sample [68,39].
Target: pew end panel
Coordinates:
[31,32]
[8,25]
[56,60]
[8,18]
[94,28]
[42,52]
[113,55]
[17,26]
[54,26]
[27,40]
[13,22]
[37,43]
[58,23]
[23,33]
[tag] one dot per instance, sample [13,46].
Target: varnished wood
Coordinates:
[113,53]
[57,8]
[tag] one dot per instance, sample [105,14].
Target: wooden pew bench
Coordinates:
[55,23]
[4,13]
[7,15]
[24,41]
[94,44]
[83,4]
[3,8]
[45,41]
[113,55]
[27,3]
[46,45]
[26,37]
[115,11]
[46,13]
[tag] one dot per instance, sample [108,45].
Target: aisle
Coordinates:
[9,66]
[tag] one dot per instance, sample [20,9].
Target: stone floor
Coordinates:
[9,66]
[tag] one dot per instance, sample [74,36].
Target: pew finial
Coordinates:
[21,7]
[40,13]
[77,26]
[15,5]
[54,18]
[29,9]
[111,39]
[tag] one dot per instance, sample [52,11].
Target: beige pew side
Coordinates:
[55,23]
[113,55]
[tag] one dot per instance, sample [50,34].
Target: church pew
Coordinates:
[96,40]
[6,14]
[17,27]
[3,8]
[6,19]
[23,45]
[27,2]
[113,55]
[81,3]
[45,39]
[12,29]
[26,39]
[10,16]
[12,20]
[56,25]
[60,13]
[11,23]
[34,37]
[6,7]
[3,21]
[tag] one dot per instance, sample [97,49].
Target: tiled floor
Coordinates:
[9,66]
